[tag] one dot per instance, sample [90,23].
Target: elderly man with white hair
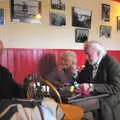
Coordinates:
[103,71]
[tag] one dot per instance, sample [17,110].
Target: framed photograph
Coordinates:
[105,12]
[118,23]
[81,35]
[81,18]
[105,31]
[2,16]
[57,19]
[58,4]
[25,11]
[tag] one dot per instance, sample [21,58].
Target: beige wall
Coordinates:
[24,35]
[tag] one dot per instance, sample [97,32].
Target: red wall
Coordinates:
[21,62]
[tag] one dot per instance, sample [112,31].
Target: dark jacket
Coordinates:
[8,87]
[108,75]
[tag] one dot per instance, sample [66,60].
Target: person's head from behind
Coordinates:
[47,64]
[69,59]
[94,51]
[1,47]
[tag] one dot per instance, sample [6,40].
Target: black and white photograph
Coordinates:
[81,35]
[58,4]
[105,12]
[105,31]
[57,19]
[2,16]
[118,23]
[81,18]
[27,11]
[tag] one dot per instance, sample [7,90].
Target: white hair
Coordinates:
[72,55]
[97,46]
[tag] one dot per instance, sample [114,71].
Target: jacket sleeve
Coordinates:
[112,86]
[17,90]
[85,75]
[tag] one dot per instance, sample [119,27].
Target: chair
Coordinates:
[37,88]
[72,112]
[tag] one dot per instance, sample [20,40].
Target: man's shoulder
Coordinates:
[110,61]
[3,69]
[88,65]
[110,58]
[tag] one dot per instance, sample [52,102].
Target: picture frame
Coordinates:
[105,12]
[118,23]
[57,19]
[81,35]
[58,4]
[2,16]
[25,11]
[81,17]
[105,31]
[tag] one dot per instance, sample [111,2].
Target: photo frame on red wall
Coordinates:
[105,11]
[81,17]
[118,23]
[58,4]
[105,31]
[57,19]
[25,11]
[2,16]
[81,35]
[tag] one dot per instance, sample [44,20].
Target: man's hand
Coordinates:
[84,87]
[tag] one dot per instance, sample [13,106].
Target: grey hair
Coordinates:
[97,46]
[72,55]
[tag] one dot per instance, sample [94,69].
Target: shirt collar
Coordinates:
[98,62]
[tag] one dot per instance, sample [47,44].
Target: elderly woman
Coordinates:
[69,66]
